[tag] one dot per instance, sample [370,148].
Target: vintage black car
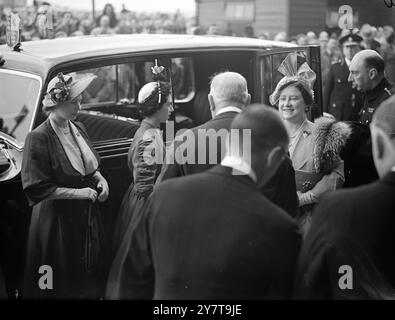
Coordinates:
[109,112]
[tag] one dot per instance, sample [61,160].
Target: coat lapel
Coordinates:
[302,152]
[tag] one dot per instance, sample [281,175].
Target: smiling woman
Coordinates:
[314,147]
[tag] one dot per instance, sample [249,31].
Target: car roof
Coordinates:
[40,56]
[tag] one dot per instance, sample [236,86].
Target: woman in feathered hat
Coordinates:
[314,147]
[61,180]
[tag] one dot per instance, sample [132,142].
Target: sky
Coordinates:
[186,6]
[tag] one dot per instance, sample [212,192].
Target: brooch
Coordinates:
[306,186]
[305,134]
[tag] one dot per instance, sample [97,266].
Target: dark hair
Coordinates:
[150,105]
[376,62]
[308,99]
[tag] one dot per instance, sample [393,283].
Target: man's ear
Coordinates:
[379,143]
[248,100]
[373,73]
[211,102]
[275,157]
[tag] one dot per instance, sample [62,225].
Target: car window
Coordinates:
[16,109]
[183,79]
[269,73]
[102,90]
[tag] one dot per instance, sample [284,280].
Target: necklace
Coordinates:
[297,131]
[65,130]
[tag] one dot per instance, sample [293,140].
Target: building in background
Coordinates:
[292,16]
[13,3]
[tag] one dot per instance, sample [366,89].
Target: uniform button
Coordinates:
[338,80]
[334,105]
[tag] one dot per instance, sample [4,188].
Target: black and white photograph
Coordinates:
[197,150]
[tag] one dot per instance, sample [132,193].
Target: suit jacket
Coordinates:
[281,189]
[354,228]
[340,99]
[212,236]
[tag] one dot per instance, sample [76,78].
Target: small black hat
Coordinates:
[350,39]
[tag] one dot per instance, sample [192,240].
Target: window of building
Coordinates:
[240,11]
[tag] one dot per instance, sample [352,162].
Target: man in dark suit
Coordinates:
[348,253]
[340,98]
[214,235]
[228,96]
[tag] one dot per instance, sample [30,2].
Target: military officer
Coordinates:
[367,74]
[341,99]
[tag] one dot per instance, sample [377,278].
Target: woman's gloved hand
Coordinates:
[102,187]
[87,194]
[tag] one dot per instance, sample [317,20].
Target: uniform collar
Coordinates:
[378,90]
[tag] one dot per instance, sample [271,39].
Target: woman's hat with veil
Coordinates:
[292,75]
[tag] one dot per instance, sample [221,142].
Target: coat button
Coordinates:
[334,105]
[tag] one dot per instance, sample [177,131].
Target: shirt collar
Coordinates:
[228,109]
[240,165]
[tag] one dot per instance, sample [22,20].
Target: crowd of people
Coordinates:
[41,21]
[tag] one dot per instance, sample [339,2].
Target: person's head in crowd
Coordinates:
[64,95]
[105,22]
[389,34]
[228,89]
[154,102]
[368,33]
[302,39]
[268,142]
[366,70]
[197,30]
[264,36]
[332,46]
[323,39]
[351,44]
[61,34]
[281,36]
[249,32]
[383,136]
[67,17]
[109,11]
[213,29]
[312,37]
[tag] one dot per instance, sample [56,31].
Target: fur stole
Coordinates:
[330,137]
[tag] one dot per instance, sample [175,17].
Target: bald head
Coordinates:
[228,89]
[383,136]
[384,117]
[268,142]
[366,70]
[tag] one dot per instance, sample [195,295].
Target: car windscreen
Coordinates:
[19,94]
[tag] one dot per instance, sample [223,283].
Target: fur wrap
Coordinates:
[330,137]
